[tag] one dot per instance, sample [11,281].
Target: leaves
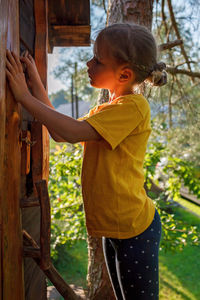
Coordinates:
[171,173]
[67,215]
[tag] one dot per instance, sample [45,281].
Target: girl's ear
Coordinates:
[126,75]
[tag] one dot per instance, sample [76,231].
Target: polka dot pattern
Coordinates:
[133,264]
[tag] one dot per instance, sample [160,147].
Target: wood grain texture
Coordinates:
[68,36]
[39,133]
[45,224]
[3,29]
[69,23]
[11,238]
[27,26]
[69,12]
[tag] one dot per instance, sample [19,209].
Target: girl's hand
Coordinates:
[15,75]
[33,76]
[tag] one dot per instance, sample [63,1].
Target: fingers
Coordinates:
[8,74]
[13,62]
[17,62]
[26,57]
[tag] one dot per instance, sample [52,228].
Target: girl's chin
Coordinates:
[96,85]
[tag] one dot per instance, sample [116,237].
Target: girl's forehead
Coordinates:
[101,49]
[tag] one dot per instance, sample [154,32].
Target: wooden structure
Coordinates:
[38,26]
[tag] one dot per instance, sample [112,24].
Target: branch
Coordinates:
[169,45]
[177,32]
[175,71]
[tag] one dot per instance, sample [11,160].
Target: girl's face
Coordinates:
[102,69]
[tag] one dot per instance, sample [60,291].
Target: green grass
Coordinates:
[72,263]
[179,272]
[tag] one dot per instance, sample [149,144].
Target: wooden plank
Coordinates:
[39,133]
[68,36]
[35,282]
[73,19]
[45,224]
[3,29]
[52,274]
[69,12]
[27,26]
[29,202]
[12,266]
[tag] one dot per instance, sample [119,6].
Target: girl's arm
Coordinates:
[66,128]
[35,84]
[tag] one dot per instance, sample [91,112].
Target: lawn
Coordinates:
[179,272]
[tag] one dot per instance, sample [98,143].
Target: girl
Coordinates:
[115,136]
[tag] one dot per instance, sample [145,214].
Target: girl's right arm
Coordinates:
[37,88]
[69,129]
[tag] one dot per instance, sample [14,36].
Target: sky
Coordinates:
[54,84]
[54,59]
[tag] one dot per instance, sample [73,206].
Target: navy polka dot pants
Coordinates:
[133,263]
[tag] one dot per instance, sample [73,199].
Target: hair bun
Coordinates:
[158,75]
[160,66]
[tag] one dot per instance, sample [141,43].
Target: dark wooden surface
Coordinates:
[4,5]
[69,12]
[69,23]
[45,224]
[27,26]
[39,133]
[34,278]
[11,237]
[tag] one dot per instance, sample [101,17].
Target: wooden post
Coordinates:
[3,30]
[11,235]
[39,133]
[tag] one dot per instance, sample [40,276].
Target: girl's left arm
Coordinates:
[69,129]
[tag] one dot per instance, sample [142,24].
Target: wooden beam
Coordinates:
[52,274]
[39,133]
[45,224]
[68,36]
[29,202]
[11,236]
[3,29]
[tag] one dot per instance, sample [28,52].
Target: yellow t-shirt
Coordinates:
[115,201]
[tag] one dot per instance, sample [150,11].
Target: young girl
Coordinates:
[115,136]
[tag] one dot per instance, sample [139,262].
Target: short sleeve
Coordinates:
[115,122]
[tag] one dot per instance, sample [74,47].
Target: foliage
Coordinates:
[68,223]
[171,172]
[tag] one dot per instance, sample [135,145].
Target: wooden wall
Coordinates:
[33,37]
[23,25]
[12,284]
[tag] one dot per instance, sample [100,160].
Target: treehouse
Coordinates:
[37,26]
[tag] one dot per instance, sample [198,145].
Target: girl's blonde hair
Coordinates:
[135,45]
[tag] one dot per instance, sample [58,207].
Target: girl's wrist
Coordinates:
[24,97]
[37,87]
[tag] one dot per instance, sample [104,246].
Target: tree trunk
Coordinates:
[120,11]
[135,11]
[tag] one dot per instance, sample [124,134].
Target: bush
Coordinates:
[67,215]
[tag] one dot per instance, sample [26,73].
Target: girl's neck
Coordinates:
[115,94]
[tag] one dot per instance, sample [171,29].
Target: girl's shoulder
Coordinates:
[137,100]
